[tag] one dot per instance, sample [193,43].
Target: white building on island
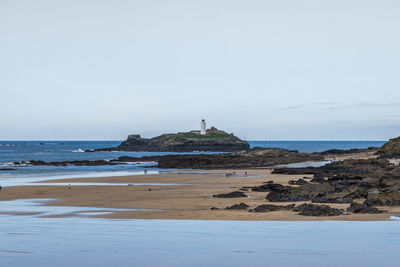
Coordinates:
[203,127]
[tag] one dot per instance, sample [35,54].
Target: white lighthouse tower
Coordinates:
[203,127]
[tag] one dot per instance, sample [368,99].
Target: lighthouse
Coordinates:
[203,127]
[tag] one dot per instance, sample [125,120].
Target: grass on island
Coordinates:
[209,135]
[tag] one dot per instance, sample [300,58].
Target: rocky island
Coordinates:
[204,140]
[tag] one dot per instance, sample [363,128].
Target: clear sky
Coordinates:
[265,70]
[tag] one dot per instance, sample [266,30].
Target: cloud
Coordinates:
[328,105]
[336,105]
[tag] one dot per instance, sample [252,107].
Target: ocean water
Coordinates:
[316,146]
[11,151]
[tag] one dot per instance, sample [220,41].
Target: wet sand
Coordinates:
[190,201]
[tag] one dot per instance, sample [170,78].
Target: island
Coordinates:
[212,140]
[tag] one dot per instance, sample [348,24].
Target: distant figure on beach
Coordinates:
[69,186]
[245,174]
[145,171]
[1,188]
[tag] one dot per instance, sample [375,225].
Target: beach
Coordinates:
[176,194]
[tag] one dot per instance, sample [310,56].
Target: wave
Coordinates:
[78,150]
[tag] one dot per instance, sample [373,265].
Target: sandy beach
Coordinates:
[188,196]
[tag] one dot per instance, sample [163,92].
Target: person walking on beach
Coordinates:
[1,188]
[145,171]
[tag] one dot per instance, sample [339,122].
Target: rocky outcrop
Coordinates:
[267,187]
[305,192]
[391,149]
[241,206]
[375,180]
[351,166]
[234,194]
[369,150]
[384,199]
[268,208]
[213,140]
[319,180]
[361,208]
[298,182]
[253,158]
[317,210]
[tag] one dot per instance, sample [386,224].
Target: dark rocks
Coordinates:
[298,182]
[345,167]
[361,208]
[327,199]
[386,199]
[7,169]
[235,194]
[267,187]
[268,208]
[304,209]
[305,192]
[319,180]
[305,170]
[317,210]
[253,158]
[241,206]
[391,149]
[347,151]
[345,178]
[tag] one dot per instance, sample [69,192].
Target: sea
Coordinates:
[34,234]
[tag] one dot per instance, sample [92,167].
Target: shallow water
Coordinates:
[304,164]
[33,180]
[27,241]
[37,208]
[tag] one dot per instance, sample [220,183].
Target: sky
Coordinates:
[262,69]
